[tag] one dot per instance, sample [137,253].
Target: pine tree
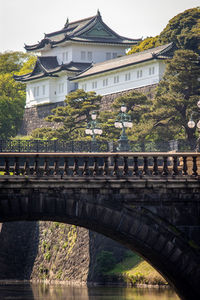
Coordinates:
[176,97]
[72,118]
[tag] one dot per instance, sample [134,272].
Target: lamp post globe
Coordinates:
[123,121]
[192,124]
[93,128]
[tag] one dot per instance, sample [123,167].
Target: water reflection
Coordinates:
[62,292]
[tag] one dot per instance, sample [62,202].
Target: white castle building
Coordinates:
[87,54]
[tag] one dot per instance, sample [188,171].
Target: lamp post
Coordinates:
[192,124]
[93,128]
[123,121]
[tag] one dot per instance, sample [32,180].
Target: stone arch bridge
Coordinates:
[149,202]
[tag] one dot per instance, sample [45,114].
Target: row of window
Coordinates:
[39,90]
[110,55]
[127,77]
[88,56]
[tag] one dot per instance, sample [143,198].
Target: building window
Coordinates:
[43,90]
[114,55]
[64,56]
[84,86]
[61,88]
[94,84]
[34,91]
[127,76]
[151,70]
[116,79]
[105,82]
[83,55]
[139,73]
[38,91]
[89,55]
[108,55]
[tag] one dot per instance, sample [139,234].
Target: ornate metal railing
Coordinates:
[99,164]
[54,146]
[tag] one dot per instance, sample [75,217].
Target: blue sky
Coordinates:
[26,21]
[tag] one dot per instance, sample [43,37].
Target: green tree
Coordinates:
[12,61]
[72,118]
[12,93]
[137,105]
[12,101]
[28,65]
[183,30]
[147,43]
[176,97]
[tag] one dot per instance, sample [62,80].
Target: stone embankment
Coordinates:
[52,251]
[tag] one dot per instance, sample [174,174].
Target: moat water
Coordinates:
[61,292]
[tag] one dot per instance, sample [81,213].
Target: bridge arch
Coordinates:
[136,227]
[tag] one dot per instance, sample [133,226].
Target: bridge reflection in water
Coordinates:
[40,291]
[149,202]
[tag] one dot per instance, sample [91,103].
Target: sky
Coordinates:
[26,21]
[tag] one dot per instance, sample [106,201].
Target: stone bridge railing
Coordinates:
[100,164]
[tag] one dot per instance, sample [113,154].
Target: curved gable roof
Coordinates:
[87,30]
[47,66]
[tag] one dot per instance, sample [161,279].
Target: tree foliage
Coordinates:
[73,117]
[28,65]
[183,30]
[147,43]
[176,97]
[12,93]
[12,61]
[12,101]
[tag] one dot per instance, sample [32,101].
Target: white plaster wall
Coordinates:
[74,52]
[40,97]
[134,82]
[57,88]
[59,51]
[98,52]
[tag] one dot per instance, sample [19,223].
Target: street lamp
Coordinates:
[192,124]
[93,128]
[123,121]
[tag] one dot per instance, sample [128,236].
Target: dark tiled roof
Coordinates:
[47,66]
[90,30]
[161,52]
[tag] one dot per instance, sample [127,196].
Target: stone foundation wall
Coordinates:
[52,251]
[108,99]
[34,116]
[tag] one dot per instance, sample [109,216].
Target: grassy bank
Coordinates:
[133,270]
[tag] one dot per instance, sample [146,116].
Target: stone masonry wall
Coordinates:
[107,100]
[34,118]
[52,251]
